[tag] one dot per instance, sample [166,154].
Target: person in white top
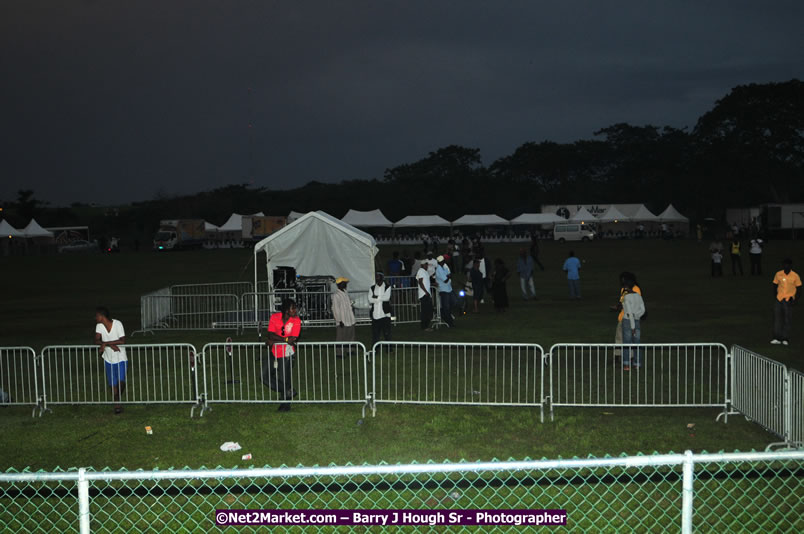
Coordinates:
[633,310]
[755,255]
[425,298]
[344,317]
[111,336]
[379,296]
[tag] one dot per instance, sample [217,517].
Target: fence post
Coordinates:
[687,493]
[787,409]
[83,501]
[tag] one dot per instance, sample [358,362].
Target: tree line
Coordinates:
[747,150]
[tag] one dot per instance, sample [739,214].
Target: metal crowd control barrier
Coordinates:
[495,374]
[796,408]
[156,374]
[18,383]
[154,312]
[319,373]
[191,312]
[759,390]
[666,375]
[220,288]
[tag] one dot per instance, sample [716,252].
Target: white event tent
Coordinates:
[209,227]
[319,244]
[367,219]
[34,230]
[8,230]
[421,221]
[643,214]
[538,218]
[613,215]
[479,220]
[670,214]
[235,222]
[583,216]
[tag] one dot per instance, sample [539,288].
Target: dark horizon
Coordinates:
[111,103]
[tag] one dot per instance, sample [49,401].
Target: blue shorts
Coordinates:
[115,372]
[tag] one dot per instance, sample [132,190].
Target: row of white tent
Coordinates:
[233,224]
[376,219]
[32,230]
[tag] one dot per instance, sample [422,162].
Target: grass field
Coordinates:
[50,300]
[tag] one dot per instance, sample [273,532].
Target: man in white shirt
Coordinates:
[755,255]
[111,336]
[444,280]
[344,317]
[379,297]
[425,298]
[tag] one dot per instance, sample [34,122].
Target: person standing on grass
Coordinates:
[425,299]
[498,286]
[633,310]
[787,291]
[534,251]
[379,297]
[344,317]
[618,333]
[755,255]
[443,278]
[284,329]
[572,266]
[478,283]
[524,266]
[110,335]
[717,264]
[736,262]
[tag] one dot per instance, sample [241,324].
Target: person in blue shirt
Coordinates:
[572,266]
[443,278]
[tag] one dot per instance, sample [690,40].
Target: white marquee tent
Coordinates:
[670,214]
[613,215]
[537,218]
[6,230]
[34,230]
[209,227]
[235,222]
[584,216]
[479,220]
[643,214]
[319,244]
[421,221]
[367,219]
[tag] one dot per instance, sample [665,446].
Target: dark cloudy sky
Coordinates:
[110,101]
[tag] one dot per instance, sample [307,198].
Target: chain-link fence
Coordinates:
[736,492]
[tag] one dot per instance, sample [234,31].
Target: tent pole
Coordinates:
[256,298]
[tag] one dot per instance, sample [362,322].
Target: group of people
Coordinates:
[755,246]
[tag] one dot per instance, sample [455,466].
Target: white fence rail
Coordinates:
[667,375]
[161,373]
[758,491]
[796,408]
[190,312]
[220,288]
[18,382]
[759,390]
[504,374]
[320,373]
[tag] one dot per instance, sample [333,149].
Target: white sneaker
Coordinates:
[775,342]
[784,342]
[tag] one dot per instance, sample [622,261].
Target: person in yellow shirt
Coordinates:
[787,289]
[618,334]
[736,260]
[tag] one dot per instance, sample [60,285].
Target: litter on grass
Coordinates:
[230,446]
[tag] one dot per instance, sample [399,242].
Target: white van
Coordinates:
[572,232]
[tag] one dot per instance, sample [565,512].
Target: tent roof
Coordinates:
[671,214]
[34,230]
[374,218]
[235,222]
[537,218]
[613,215]
[209,227]
[644,214]
[319,244]
[583,215]
[421,221]
[6,230]
[479,220]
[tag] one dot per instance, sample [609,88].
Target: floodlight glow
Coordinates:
[462,293]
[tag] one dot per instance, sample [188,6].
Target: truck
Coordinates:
[255,227]
[176,234]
